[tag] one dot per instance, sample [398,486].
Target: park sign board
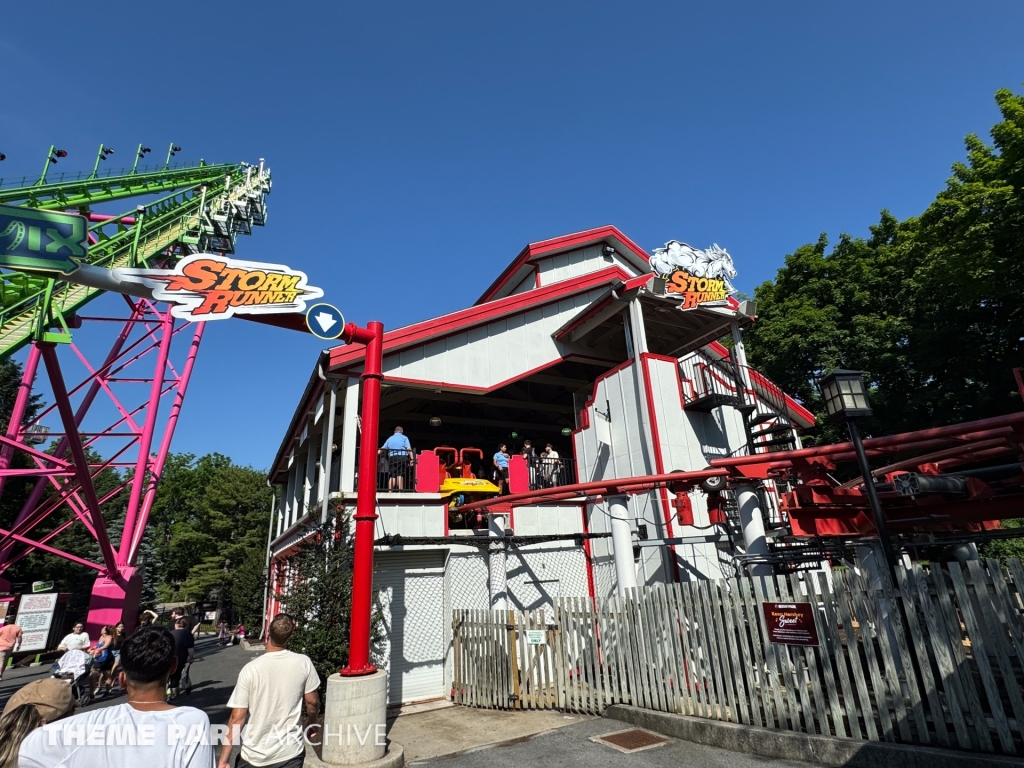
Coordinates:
[790,623]
[41,241]
[696,277]
[206,286]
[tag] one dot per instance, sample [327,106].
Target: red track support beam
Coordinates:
[366,504]
[142,462]
[60,394]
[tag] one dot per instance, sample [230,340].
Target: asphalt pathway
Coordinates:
[213,678]
[571,746]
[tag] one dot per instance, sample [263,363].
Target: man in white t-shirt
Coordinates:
[78,640]
[146,731]
[272,690]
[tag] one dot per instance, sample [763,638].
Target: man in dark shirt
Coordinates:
[184,651]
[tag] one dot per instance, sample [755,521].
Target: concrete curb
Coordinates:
[393,758]
[828,751]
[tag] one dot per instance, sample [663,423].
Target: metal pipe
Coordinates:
[366,515]
[976,430]
[752,522]
[626,485]
[872,494]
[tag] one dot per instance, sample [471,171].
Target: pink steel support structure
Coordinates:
[123,425]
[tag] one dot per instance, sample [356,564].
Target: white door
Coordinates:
[410,588]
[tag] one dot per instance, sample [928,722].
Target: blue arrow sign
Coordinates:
[325,321]
[41,240]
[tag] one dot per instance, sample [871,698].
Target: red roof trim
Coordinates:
[478,315]
[563,243]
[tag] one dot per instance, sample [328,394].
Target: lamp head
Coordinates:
[845,395]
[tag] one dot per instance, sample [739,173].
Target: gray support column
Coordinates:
[296,497]
[308,474]
[752,521]
[349,428]
[288,500]
[739,353]
[496,564]
[326,455]
[622,543]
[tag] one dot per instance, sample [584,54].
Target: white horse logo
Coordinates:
[714,262]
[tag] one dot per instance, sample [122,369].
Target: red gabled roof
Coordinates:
[564,243]
[480,314]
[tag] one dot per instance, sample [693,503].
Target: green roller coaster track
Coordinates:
[205,207]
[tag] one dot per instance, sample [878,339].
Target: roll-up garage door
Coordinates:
[410,588]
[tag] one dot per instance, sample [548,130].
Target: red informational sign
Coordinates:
[790,623]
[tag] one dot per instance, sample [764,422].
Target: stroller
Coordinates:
[75,667]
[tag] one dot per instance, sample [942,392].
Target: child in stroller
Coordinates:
[75,665]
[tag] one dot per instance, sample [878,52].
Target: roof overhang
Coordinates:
[521,266]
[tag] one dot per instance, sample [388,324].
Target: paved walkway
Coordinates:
[571,746]
[213,678]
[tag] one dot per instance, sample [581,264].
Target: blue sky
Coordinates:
[417,147]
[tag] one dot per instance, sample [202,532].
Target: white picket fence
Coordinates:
[937,660]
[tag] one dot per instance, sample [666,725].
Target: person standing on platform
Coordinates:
[272,691]
[399,455]
[501,468]
[10,642]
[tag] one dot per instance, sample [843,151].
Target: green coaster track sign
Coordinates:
[44,241]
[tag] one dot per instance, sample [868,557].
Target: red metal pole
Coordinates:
[146,440]
[28,375]
[366,503]
[60,394]
[157,469]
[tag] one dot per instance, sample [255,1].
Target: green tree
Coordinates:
[320,598]
[929,307]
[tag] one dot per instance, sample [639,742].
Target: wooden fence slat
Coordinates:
[674,648]
[710,649]
[829,647]
[796,658]
[955,634]
[795,691]
[921,653]
[858,593]
[956,700]
[694,677]
[653,637]
[785,697]
[719,669]
[749,671]
[995,638]
[727,631]
[980,652]
[557,658]
[887,629]
[1009,614]
[592,665]
[770,691]
[629,650]
[811,655]
[845,604]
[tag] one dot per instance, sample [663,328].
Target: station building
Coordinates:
[579,344]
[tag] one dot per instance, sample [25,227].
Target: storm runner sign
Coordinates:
[42,241]
[206,286]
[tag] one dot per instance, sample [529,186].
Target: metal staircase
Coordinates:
[710,382]
[209,206]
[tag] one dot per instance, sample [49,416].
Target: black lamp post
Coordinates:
[846,400]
